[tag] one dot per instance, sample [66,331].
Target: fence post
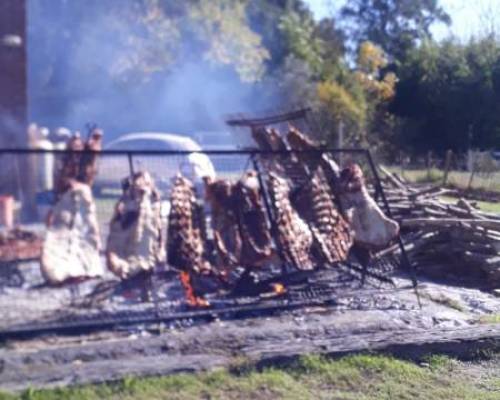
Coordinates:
[428,162]
[447,166]
[473,165]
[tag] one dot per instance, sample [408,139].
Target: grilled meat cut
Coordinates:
[257,244]
[332,234]
[88,162]
[372,229]
[72,244]
[241,233]
[316,202]
[226,232]
[293,235]
[136,238]
[185,239]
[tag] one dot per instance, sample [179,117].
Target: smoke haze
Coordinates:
[79,73]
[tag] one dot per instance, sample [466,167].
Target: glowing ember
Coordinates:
[192,300]
[279,288]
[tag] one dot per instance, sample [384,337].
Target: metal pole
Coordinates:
[404,255]
[130,163]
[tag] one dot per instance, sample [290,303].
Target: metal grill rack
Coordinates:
[340,285]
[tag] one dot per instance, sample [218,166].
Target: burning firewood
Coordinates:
[136,239]
[372,229]
[293,234]
[72,244]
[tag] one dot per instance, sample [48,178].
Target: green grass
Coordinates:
[490,319]
[458,179]
[491,207]
[443,300]
[361,377]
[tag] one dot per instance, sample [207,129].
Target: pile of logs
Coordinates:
[454,238]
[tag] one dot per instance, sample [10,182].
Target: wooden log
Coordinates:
[395,182]
[449,222]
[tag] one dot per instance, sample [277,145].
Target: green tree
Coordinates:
[395,25]
[448,96]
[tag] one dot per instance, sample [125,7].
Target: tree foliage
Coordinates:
[395,25]
[448,96]
[397,87]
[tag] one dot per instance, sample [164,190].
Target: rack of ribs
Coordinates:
[294,235]
[186,248]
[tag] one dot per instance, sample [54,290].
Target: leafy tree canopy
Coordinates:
[395,25]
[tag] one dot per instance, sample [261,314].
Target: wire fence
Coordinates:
[476,170]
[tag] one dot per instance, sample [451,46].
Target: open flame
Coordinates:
[193,300]
[279,288]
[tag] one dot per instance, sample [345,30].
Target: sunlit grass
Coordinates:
[458,179]
[311,377]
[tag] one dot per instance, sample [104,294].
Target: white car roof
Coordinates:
[177,141]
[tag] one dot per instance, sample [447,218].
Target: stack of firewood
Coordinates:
[454,236]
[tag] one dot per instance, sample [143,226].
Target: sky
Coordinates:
[470,17]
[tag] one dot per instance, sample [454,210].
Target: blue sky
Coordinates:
[470,17]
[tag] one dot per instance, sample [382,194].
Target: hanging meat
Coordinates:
[299,141]
[72,243]
[372,229]
[332,233]
[227,237]
[256,237]
[185,243]
[69,165]
[88,162]
[316,202]
[269,139]
[294,236]
[241,233]
[136,238]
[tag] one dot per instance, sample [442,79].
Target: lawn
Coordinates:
[458,179]
[360,377]
[487,206]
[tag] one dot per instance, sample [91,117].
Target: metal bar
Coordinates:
[130,163]
[404,256]
[145,317]
[249,151]
[273,119]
